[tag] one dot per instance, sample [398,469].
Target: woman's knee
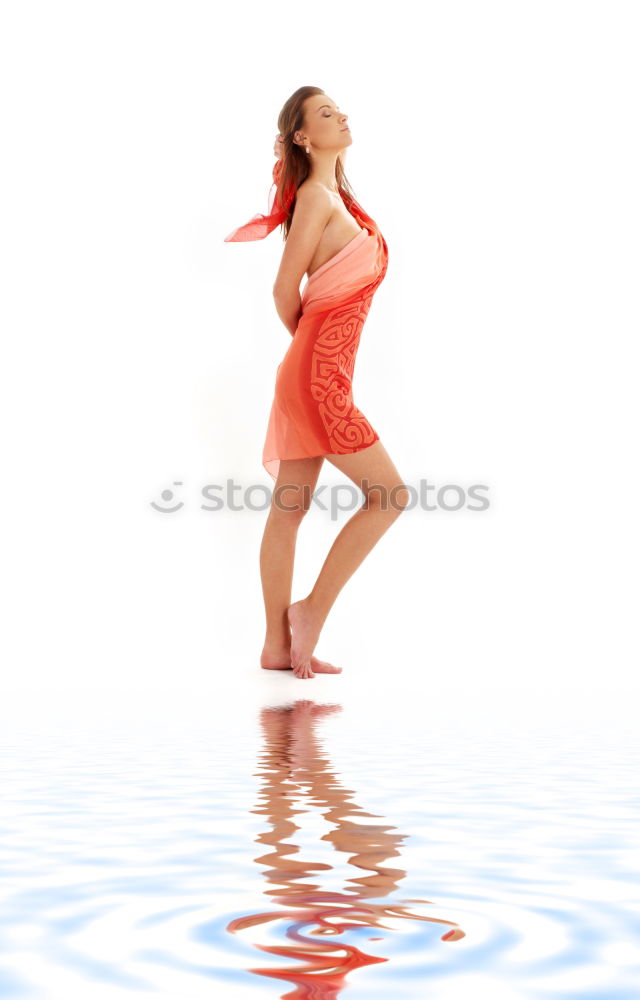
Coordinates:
[402,496]
[291,503]
[388,496]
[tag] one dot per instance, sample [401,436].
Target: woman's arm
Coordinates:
[289,310]
[313,209]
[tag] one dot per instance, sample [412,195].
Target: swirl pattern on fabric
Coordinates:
[313,412]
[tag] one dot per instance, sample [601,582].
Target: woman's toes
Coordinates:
[303,671]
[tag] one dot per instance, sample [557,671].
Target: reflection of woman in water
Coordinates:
[331,238]
[293,765]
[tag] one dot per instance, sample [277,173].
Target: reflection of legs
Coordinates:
[291,498]
[385,498]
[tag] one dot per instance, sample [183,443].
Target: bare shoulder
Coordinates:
[312,211]
[313,197]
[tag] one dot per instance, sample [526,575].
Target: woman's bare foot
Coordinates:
[305,631]
[280,659]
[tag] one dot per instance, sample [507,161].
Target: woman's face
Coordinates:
[325,126]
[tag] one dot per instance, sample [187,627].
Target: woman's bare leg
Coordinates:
[291,498]
[385,497]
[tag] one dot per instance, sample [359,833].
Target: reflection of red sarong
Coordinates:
[313,412]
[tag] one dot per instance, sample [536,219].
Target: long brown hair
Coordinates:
[295,166]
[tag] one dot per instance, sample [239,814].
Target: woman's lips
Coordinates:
[345,129]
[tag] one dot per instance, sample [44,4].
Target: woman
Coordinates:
[330,237]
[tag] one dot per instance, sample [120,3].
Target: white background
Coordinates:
[496,146]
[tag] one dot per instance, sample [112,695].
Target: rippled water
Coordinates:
[293,853]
